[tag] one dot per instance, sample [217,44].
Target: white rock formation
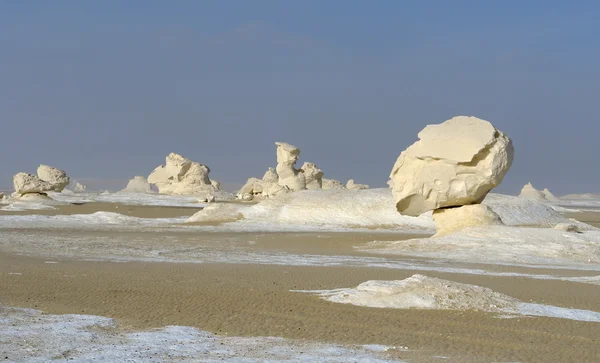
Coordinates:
[289,176]
[265,187]
[78,188]
[448,220]
[25,183]
[454,163]
[529,191]
[549,196]
[313,176]
[138,184]
[351,185]
[180,175]
[56,177]
[332,184]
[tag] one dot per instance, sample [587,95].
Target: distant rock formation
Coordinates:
[453,164]
[450,170]
[180,175]
[138,184]
[289,176]
[79,188]
[529,191]
[312,175]
[56,177]
[332,184]
[49,179]
[549,196]
[285,177]
[351,185]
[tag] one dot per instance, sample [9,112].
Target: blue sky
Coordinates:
[106,89]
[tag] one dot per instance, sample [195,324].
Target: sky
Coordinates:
[106,89]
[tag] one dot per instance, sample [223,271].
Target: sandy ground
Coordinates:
[251,300]
[255,300]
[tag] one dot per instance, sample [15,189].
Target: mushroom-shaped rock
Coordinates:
[289,176]
[449,220]
[529,191]
[28,183]
[312,175]
[138,184]
[332,184]
[454,163]
[351,185]
[180,175]
[56,177]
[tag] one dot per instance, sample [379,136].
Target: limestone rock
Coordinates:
[449,220]
[332,184]
[351,185]
[56,177]
[78,188]
[180,175]
[529,191]
[454,163]
[247,197]
[138,184]
[289,176]
[210,198]
[28,183]
[313,176]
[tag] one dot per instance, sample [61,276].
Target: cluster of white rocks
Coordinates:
[285,178]
[180,176]
[450,170]
[48,179]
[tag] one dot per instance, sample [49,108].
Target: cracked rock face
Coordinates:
[454,163]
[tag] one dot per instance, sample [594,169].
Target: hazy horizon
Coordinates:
[105,90]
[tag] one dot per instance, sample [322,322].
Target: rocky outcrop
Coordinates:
[289,176]
[285,177]
[180,175]
[453,164]
[448,220]
[313,176]
[351,185]
[138,184]
[528,191]
[56,177]
[332,184]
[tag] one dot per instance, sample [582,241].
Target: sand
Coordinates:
[256,300]
[251,300]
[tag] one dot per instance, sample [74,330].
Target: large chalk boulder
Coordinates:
[180,175]
[25,183]
[56,177]
[449,220]
[454,163]
[289,176]
[138,184]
